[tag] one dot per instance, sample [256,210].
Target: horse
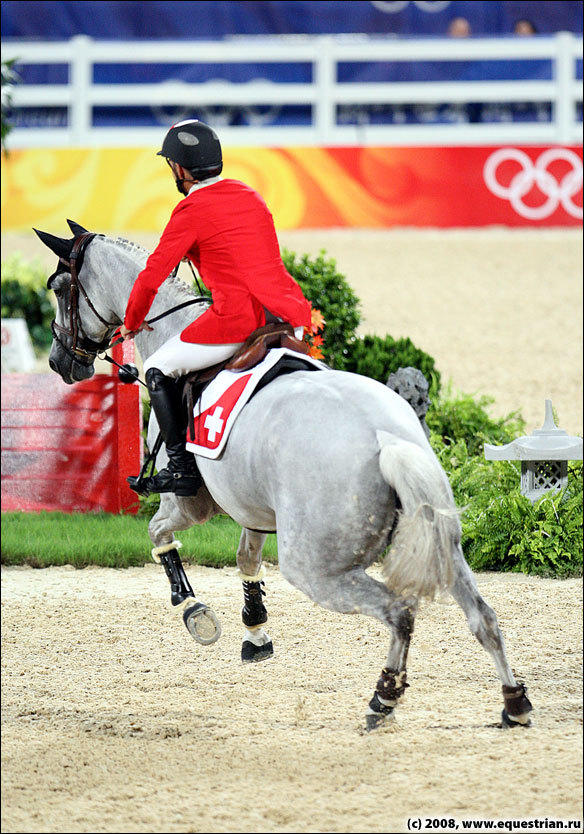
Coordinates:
[379,491]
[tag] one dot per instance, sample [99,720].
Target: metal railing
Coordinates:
[324,94]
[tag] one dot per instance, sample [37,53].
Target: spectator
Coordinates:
[524,27]
[459,27]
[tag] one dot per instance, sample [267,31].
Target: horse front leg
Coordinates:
[482,621]
[176,513]
[257,644]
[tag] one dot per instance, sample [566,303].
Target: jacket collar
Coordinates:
[197,185]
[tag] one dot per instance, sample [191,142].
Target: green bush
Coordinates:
[542,539]
[25,295]
[459,416]
[501,529]
[378,357]
[329,292]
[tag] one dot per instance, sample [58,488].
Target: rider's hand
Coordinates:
[129,334]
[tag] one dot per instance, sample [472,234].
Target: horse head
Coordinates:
[76,342]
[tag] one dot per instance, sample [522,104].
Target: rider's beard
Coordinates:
[180,184]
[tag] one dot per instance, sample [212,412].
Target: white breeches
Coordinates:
[176,358]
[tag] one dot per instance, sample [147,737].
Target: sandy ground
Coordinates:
[500,310]
[115,720]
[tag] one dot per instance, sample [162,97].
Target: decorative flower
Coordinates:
[314,341]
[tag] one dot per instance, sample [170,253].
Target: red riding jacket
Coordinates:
[227,231]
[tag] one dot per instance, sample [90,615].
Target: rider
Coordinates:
[225,228]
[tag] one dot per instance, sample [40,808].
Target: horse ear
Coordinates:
[76,228]
[59,245]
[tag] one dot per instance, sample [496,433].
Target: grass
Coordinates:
[115,541]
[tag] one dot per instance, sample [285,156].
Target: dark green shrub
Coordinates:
[329,292]
[378,357]
[459,416]
[501,529]
[25,295]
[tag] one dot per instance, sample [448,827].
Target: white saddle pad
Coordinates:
[223,399]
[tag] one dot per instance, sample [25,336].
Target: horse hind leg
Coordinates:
[392,682]
[257,644]
[482,622]
[355,592]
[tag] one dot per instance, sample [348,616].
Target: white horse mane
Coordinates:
[140,255]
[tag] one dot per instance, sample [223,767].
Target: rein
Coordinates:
[101,352]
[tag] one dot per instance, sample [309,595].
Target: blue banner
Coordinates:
[218,19]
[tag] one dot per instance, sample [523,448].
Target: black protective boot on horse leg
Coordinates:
[181,476]
[254,615]
[200,620]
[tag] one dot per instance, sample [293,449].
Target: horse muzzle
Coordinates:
[70,368]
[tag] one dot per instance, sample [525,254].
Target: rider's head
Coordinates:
[193,147]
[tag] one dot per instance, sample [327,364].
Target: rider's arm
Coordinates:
[177,238]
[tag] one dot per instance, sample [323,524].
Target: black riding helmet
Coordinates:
[195,146]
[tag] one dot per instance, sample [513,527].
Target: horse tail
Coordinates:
[420,559]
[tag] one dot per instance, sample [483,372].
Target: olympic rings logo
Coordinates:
[537,175]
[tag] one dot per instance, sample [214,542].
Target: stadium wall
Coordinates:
[129,189]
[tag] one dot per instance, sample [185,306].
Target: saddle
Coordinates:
[251,353]
[254,349]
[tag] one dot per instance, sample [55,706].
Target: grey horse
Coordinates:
[377,482]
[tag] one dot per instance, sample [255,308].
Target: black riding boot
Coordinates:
[182,473]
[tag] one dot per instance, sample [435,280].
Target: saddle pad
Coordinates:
[223,399]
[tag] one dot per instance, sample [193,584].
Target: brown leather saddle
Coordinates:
[254,349]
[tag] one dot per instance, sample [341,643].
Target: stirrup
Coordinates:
[179,483]
[138,483]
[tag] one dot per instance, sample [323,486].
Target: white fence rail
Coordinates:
[324,94]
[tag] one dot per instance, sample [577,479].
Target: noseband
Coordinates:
[82,347]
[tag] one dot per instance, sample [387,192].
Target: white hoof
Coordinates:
[201,622]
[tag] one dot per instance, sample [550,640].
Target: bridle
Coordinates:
[82,347]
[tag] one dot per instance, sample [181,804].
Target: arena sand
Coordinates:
[114,720]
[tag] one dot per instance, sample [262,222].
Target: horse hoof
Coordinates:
[374,720]
[508,723]
[250,653]
[201,623]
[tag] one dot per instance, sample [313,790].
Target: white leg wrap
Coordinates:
[257,636]
[387,703]
[164,548]
[521,719]
[257,578]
